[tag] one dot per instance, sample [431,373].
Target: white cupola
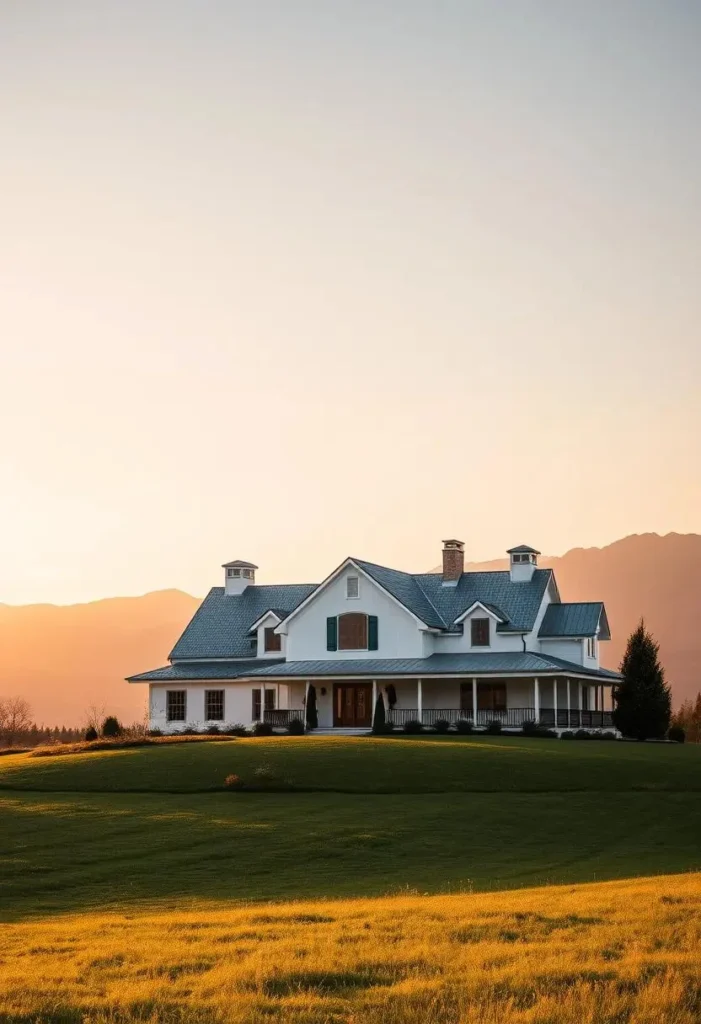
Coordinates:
[523,563]
[237,576]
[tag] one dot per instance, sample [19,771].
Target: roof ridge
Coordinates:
[438,614]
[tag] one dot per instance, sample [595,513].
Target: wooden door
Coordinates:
[352,705]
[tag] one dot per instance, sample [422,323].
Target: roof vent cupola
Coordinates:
[237,576]
[523,563]
[453,562]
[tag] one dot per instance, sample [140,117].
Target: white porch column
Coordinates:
[262,700]
[536,698]
[568,703]
[374,699]
[555,700]
[306,701]
[579,686]
[474,702]
[419,700]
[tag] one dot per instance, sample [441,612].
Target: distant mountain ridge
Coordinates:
[66,658]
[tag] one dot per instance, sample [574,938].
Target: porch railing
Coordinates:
[281,718]
[511,718]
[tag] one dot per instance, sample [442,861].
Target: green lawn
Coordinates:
[372,765]
[139,827]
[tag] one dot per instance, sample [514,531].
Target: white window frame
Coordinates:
[168,716]
[591,647]
[481,618]
[356,595]
[233,573]
[221,690]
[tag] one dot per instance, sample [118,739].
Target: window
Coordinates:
[479,632]
[175,705]
[233,573]
[214,705]
[491,696]
[352,587]
[256,703]
[273,640]
[353,632]
[591,647]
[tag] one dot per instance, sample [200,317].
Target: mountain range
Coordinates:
[66,658]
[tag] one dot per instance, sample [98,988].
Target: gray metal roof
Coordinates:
[577,619]
[220,626]
[182,671]
[520,663]
[518,603]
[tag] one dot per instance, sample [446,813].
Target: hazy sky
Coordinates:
[287,280]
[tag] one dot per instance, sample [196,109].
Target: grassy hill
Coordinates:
[134,888]
[603,954]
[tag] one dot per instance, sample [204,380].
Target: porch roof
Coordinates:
[507,663]
[522,663]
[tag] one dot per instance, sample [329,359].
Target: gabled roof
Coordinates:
[518,603]
[238,563]
[579,619]
[220,626]
[405,588]
[492,609]
[523,549]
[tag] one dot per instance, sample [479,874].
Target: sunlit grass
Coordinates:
[614,952]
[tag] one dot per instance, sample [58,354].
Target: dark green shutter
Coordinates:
[331,633]
[372,632]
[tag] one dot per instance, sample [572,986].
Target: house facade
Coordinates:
[453,645]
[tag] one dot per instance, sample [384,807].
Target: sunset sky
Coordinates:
[288,280]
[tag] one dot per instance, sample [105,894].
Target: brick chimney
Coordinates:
[453,562]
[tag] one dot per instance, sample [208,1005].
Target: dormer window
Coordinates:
[479,632]
[352,587]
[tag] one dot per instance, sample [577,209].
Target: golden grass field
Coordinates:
[609,953]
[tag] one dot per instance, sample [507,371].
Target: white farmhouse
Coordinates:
[454,645]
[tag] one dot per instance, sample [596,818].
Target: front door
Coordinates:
[352,705]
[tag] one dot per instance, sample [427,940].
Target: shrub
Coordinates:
[262,729]
[582,734]
[413,726]
[389,726]
[379,717]
[155,732]
[233,782]
[464,726]
[567,735]
[190,730]
[493,727]
[608,735]
[90,734]
[111,728]
[296,727]
[212,730]
[236,730]
[441,725]
[676,734]
[530,727]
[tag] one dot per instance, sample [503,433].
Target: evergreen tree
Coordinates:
[312,715]
[379,719]
[643,702]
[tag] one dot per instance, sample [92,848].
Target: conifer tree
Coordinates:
[643,702]
[379,720]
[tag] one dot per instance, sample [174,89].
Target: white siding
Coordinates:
[238,703]
[569,650]
[398,633]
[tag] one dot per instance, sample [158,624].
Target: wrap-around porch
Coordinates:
[555,702]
